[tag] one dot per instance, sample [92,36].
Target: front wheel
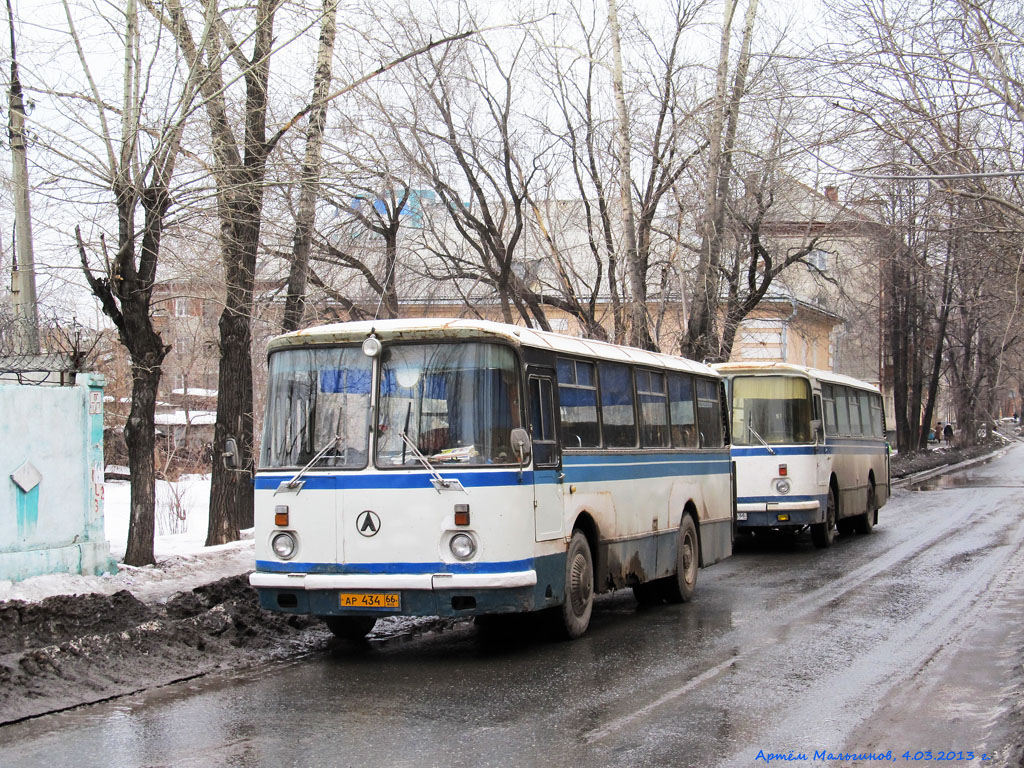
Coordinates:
[681,588]
[350,628]
[579,588]
[824,534]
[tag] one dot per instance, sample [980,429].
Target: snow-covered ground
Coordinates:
[183,562]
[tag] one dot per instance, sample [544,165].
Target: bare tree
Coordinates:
[138,175]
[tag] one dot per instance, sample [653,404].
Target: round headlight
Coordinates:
[462,546]
[283,545]
[782,486]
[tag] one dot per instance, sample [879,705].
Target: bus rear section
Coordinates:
[804,456]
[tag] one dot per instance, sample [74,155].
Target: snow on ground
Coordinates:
[183,562]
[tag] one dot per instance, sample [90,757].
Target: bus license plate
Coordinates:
[382,600]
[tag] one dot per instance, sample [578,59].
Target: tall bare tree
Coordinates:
[139,169]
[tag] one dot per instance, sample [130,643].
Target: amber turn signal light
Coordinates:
[281,515]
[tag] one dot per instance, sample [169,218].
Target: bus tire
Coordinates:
[865,523]
[680,588]
[575,611]
[350,628]
[824,534]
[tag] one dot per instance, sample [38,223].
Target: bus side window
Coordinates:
[709,414]
[682,415]
[829,406]
[842,411]
[577,403]
[877,425]
[618,418]
[856,426]
[865,414]
[542,422]
[650,388]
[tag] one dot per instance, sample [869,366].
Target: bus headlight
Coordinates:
[283,545]
[782,486]
[462,546]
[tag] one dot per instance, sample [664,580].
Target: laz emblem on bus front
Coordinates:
[368,523]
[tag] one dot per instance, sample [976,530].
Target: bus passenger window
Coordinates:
[617,416]
[709,414]
[577,401]
[681,411]
[829,406]
[650,387]
[842,411]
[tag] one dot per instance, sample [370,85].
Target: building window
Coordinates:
[181,307]
[817,260]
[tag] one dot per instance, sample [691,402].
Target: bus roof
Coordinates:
[754,368]
[436,328]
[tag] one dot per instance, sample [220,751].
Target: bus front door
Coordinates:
[547,457]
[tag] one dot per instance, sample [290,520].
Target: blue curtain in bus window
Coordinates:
[709,414]
[317,399]
[617,414]
[577,400]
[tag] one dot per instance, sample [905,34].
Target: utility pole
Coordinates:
[23,273]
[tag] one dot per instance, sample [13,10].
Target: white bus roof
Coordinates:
[434,328]
[752,368]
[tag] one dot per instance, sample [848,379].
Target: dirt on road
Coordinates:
[76,649]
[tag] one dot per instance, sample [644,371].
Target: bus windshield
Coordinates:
[456,403]
[771,409]
[318,400]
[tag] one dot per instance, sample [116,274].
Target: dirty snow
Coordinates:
[183,562]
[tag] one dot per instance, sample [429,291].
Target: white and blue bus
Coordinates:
[465,468]
[809,448]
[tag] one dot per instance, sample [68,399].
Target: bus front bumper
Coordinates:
[430,594]
[781,514]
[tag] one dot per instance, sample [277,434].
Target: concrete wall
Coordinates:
[51,473]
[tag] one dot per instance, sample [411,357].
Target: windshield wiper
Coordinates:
[753,431]
[439,482]
[294,484]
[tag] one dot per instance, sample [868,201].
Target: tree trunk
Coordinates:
[139,436]
[298,274]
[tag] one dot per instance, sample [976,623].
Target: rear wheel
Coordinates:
[680,589]
[575,611]
[824,534]
[350,628]
[866,523]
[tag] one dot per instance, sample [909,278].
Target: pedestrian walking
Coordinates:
[947,433]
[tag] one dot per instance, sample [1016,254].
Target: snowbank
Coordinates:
[183,562]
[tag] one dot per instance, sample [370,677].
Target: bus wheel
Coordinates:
[823,534]
[866,523]
[579,588]
[350,628]
[680,588]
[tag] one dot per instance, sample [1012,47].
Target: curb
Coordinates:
[917,477]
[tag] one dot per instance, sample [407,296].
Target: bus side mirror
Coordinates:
[230,454]
[521,444]
[819,433]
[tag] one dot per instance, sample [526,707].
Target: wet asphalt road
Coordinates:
[910,639]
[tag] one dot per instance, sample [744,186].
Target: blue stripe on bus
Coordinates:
[778,499]
[580,468]
[511,566]
[809,450]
